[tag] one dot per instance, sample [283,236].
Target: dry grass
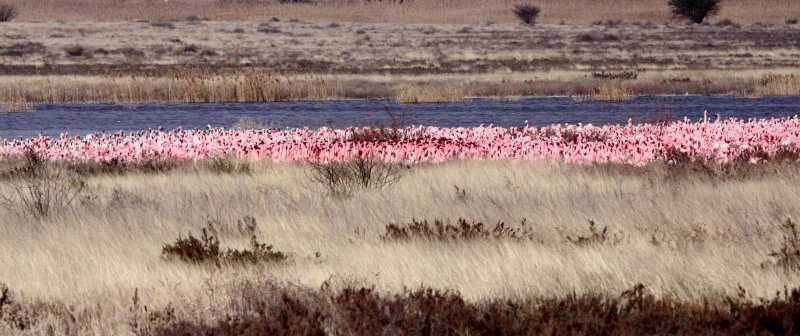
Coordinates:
[182,87]
[430,94]
[419,11]
[265,61]
[22,91]
[778,85]
[612,93]
[681,233]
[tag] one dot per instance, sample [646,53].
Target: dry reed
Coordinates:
[778,85]
[430,94]
[183,87]
[612,93]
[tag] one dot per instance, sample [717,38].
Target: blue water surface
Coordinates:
[81,119]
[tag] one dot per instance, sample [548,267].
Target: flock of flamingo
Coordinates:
[720,141]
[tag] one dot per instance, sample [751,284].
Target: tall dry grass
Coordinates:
[681,233]
[418,11]
[183,87]
[17,93]
[431,94]
[778,85]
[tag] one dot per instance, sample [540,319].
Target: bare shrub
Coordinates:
[38,188]
[596,237]
[788,256]
[207,250]
[694,10]
[342,179]
[463,229]
[527,13]
[7,12]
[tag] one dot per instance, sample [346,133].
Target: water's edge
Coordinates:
[80,119]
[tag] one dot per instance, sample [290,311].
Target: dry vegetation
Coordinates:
[159,61]
[496,232]
[415,11]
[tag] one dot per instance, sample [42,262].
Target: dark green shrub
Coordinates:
[75,50]
[527,13]
[694,10]
[7,12]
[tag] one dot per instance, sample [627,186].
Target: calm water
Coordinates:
[81,119]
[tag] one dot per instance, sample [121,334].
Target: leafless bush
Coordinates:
[596,237]
[788,256]
[38,188]
[342,179]
[462,230]
[7,12]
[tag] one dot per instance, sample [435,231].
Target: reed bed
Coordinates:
[22,91]
[93,266]
[184,87]
[430,94]
[778,85]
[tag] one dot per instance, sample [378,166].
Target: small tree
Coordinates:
[695,10]
[526,13]
[7,12]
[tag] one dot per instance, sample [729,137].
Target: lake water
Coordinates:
[81,119]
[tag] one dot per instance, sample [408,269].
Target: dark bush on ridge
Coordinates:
[527,13]
[7,12]
[694,10]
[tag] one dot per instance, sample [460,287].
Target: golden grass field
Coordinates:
[415,11]
[683,234]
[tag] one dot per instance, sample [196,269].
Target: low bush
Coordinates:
[38,188]
[163,24]
[206,250]
[788,256]
[462,230]
[527,13]
[7,12]
[269,309]
[342,179]
[694,10]
[596,236]
[75,50]
[22,49]
[616,75]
